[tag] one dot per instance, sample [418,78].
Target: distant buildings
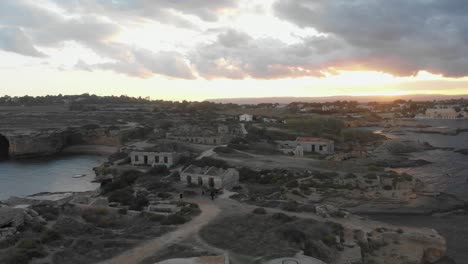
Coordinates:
[246,118]
[309,144]
[206,135]
[444,113]
[210,177]
[201,139]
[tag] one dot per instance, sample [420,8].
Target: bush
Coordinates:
[49,212]
[123,196]
[99,217]
[259,210]
[292,206]
[28,244]
[371,176]
[139,202]
[282,217]
[375,168]
[50,236]
[329,240]
[126,179]
[224,150]
[174,219]
[292,184]
[158,170]
[387,187]
[18,257]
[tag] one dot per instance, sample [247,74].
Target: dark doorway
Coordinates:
[4,147]
[211,183]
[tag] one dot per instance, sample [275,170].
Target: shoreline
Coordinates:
[102,150]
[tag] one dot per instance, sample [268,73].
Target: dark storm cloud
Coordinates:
[398,36]
[237,55]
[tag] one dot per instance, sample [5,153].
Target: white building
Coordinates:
[443,113]
[144,158]
[246,118]
[309,144]
[210,177]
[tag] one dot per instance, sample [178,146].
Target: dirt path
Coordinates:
[209,211]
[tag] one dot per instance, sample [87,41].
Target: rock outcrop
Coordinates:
[35,143]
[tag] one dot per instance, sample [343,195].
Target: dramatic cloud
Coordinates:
[14,40]
[48,29]
[237,55]
[400,37]
[164,11]
[144,63]
[187,39]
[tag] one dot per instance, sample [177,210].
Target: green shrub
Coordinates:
[28,244]
[50,236]
[174,219]
[224,150]
[125,180]
[259,210]
[139,202]
[329,240]
[49,212]
[371,176]
[123,196]
[99,217]
[158,170]
[375,168]
[292,184]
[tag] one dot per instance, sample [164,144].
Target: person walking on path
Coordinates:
[212,194]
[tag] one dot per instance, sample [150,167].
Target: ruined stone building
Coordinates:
[308,144]
[246,118]
[210,177]
[145,158]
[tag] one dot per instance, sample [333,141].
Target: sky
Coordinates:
[204,49]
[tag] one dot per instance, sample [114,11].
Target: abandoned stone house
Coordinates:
[210,177]
[145,158]
[246,118]
[309,144]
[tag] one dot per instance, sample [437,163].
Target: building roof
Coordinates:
[313,139]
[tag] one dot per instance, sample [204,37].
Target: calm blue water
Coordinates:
[20,178]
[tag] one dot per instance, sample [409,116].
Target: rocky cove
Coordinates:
[22,144]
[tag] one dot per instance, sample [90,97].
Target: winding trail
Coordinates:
[209,210]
